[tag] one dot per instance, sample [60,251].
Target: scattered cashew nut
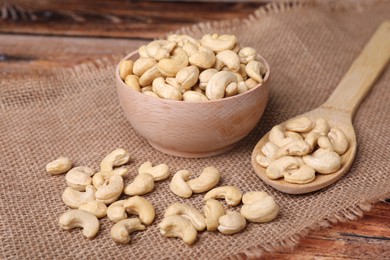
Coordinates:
[231,194]
[97,208]
[120,232]
[79,177]
[189,212]
[79,218]
[179,185]
[262,209]
[207,180]
[141,207]
[74,198]
[59,166]
[142,184]
[213,210]
[231,223]
[178,226]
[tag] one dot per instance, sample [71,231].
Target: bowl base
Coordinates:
[192,154]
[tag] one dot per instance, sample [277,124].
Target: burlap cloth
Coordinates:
[75,112]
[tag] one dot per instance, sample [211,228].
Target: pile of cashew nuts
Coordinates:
[184,68]
[302,148]
[92,196]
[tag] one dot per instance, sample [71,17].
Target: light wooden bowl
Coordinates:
[193,129]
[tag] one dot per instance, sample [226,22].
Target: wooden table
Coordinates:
[128,24]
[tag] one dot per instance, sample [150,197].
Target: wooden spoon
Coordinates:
[339,110]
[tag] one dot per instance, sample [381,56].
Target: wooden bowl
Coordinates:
[193,129]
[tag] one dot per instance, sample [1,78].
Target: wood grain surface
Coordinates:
[35,35]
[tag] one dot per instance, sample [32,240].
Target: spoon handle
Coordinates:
[360,77]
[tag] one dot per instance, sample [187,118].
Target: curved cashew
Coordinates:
[172,81]
[142,184]
[231,194]
[133,82]
[187,77]
[213,210]
[166,91]
[205,76]
[312,139]
[269,150]
[231,89]
[120,232]
[262,210]
[79,218]
[160,49]
[116,211]
[295,147]
[182,39]
[277,136]
[263,161]
[194,96]
[324,143]
[121,171]
[179,185]
[293,135]
[276,168]
[229,59]
[255,70]
[178,226]
[247,54]
[79,177]
[236,47]
[206,180]
[216,87]
[321,127]
[110,192]
[219,42]
[125,68]
[142,65]
[231,223]
[203,59]
[339,140]
[97,208]
[304,174]
[100,178]
[190,48]
[147,78]
[253,196]
[117,157]
[141,207]
[159,172]
[170,67]
[59,166]
[242,87]
[323,161]
[142,52]
[188,212]
[74,198]
[251,83]
[300,124]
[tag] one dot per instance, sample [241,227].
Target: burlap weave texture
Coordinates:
[75,112]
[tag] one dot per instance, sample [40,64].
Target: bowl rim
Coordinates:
[225,99]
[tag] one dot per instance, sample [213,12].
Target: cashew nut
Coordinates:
[188,212]
[178,226]
[190,48]
[255,70]
[277,136]
[160,49]
[120,232]
[253,196]
[269,150]
[205,76]
[213,210]
[97,208]
[149,75]
[263,161]
[219,43]
[231,89]
[263,210]
[79,218]
[242,87]
[251,83]
[159,172]
[100,178]
[295,147]
[300,124]
[231,223]
[116,211]
[304,174]
[74,198]
[142,65]
[229,59]
[203,59]
[276,168]
[324,143]
[125,68]
[231,194]
[117,157]
[166,91]
[187,77]
[206,180]
[247,54]
[194,96]
[142,184]
[141,207]
[133,82]
[293,135]
[179,185]
[79,177]
[59,166]
[338,140]
[321,127]
[142,52]
[170,67]
[182,39]
[323,161]
[216,86]
[111,190]
[312,138]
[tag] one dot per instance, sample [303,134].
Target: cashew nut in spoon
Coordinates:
[116,211]
[293,135]
[300,124]
[165,90]
[79,177]
[213,210]
[207,180]
[110,192]
[141,207]
[324,143]
[120,232]
[159,172]
[276,168]
[338,140]
[79,218]
[247,54]
[179,184]
[323,161]
[59,166]
[263,161]
[219,43]
[142,184]
[74,198]
[216,86]
[171,66]
[293,148]
[301,175]
[231,223]
[231,194]
[178,226]
[97,208]
[269,150]
[277,136]
[189,212]
[125,68]
[117,157]
[263,210]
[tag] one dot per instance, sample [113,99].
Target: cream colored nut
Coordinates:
[121,171]
[97,208]
[338,140]
[187,77]
[142,65]
[179,185]
[147,88]
[324,143]
[149,75]
[304,174]
[219,43]
[231,89]
[159,172]
[243,74]
[194,96]
[141,207]
[115,158]
[231,223]
[323,161]
[170,67]
[125,68]
[229,59]
[79,218]
[188,212]
[262,210]
[276,168]
[110,192]
[269,150]
[255,70]
[79,177]
[59,166]
[321,127]
[100,178]
[178,226]
[277,136]
[231,194]
[251,83]
[253,196]
[237,47]
[181,39]
[74,198]
[295,147]
[133,82]
[247,54]
[205,76]
[151,93]
[300,124]
[116,211]
[166,91]
[293,135]
[240,79]
[142,52]
[312,139]
[172,81]
[217,85]
[160,49]
[207,180]
[203,59]
[142,184]
[190,48]
[213,210]
[242,87]
[120,232]
[263,161]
